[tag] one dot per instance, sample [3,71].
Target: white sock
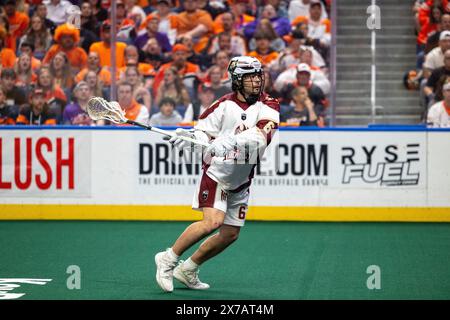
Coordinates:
[190,265]
[172,255]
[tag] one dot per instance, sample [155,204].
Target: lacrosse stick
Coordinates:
[100,109]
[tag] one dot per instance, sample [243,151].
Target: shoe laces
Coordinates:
[191,274]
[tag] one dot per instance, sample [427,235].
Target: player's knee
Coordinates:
[212,225]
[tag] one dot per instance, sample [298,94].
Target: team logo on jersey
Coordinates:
[205,194]
[243,116]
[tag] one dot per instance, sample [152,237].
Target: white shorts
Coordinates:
[210,194]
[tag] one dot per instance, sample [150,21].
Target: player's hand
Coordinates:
[221,146]
[178,142]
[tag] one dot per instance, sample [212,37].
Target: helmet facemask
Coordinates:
[252,86]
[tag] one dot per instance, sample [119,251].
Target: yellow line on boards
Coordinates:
[185,213]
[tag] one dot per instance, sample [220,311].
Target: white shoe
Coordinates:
[189,278]
[164,271]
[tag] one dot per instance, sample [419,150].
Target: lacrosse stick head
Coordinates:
[100,109]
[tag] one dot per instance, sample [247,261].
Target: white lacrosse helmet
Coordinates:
[241,66]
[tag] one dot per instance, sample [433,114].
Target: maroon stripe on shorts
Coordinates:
[207,193]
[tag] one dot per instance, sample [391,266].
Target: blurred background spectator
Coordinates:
[167,115]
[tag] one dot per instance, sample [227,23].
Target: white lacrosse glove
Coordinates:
[178,142]
[222,146]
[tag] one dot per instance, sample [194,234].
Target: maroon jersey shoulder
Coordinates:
[215,105]
[270,102]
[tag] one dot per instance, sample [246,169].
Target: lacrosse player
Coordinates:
[238,126]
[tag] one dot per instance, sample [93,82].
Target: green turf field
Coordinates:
[271,260]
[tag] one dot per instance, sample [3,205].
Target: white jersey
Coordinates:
[229,116]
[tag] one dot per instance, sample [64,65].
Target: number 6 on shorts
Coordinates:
[242,212]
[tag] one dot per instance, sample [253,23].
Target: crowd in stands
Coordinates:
[432,76]
[171,57]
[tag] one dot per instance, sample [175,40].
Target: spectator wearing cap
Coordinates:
[151,27]
[133,110]
[58,11]
[281,25]
[39,36]
[206,97]
[291,76]
[435,77]
[103,48]
[28,48]
[67,38]
[438,115]
[37,112]
[93,64]
[18,22]
[8,113]
[263,51]
[298,8]
[167,115]
[291,55]
[195,23]
[433,39]
[187,70]
[15,96]
[305,112]
[75,113]
[7,55]
[318,29]
[303,77]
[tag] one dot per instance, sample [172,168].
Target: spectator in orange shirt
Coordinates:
[67,37]
[103,48]
[39,35]
[54,95]
[38,111]
[28,48]
[318,29]
[195,23]
[4,23]
[263,52]
[93,64]
[187,71]
[7,55]
[133,110]
[18,21]
[228,38]
[132,59]
[140,93]
[240,18]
